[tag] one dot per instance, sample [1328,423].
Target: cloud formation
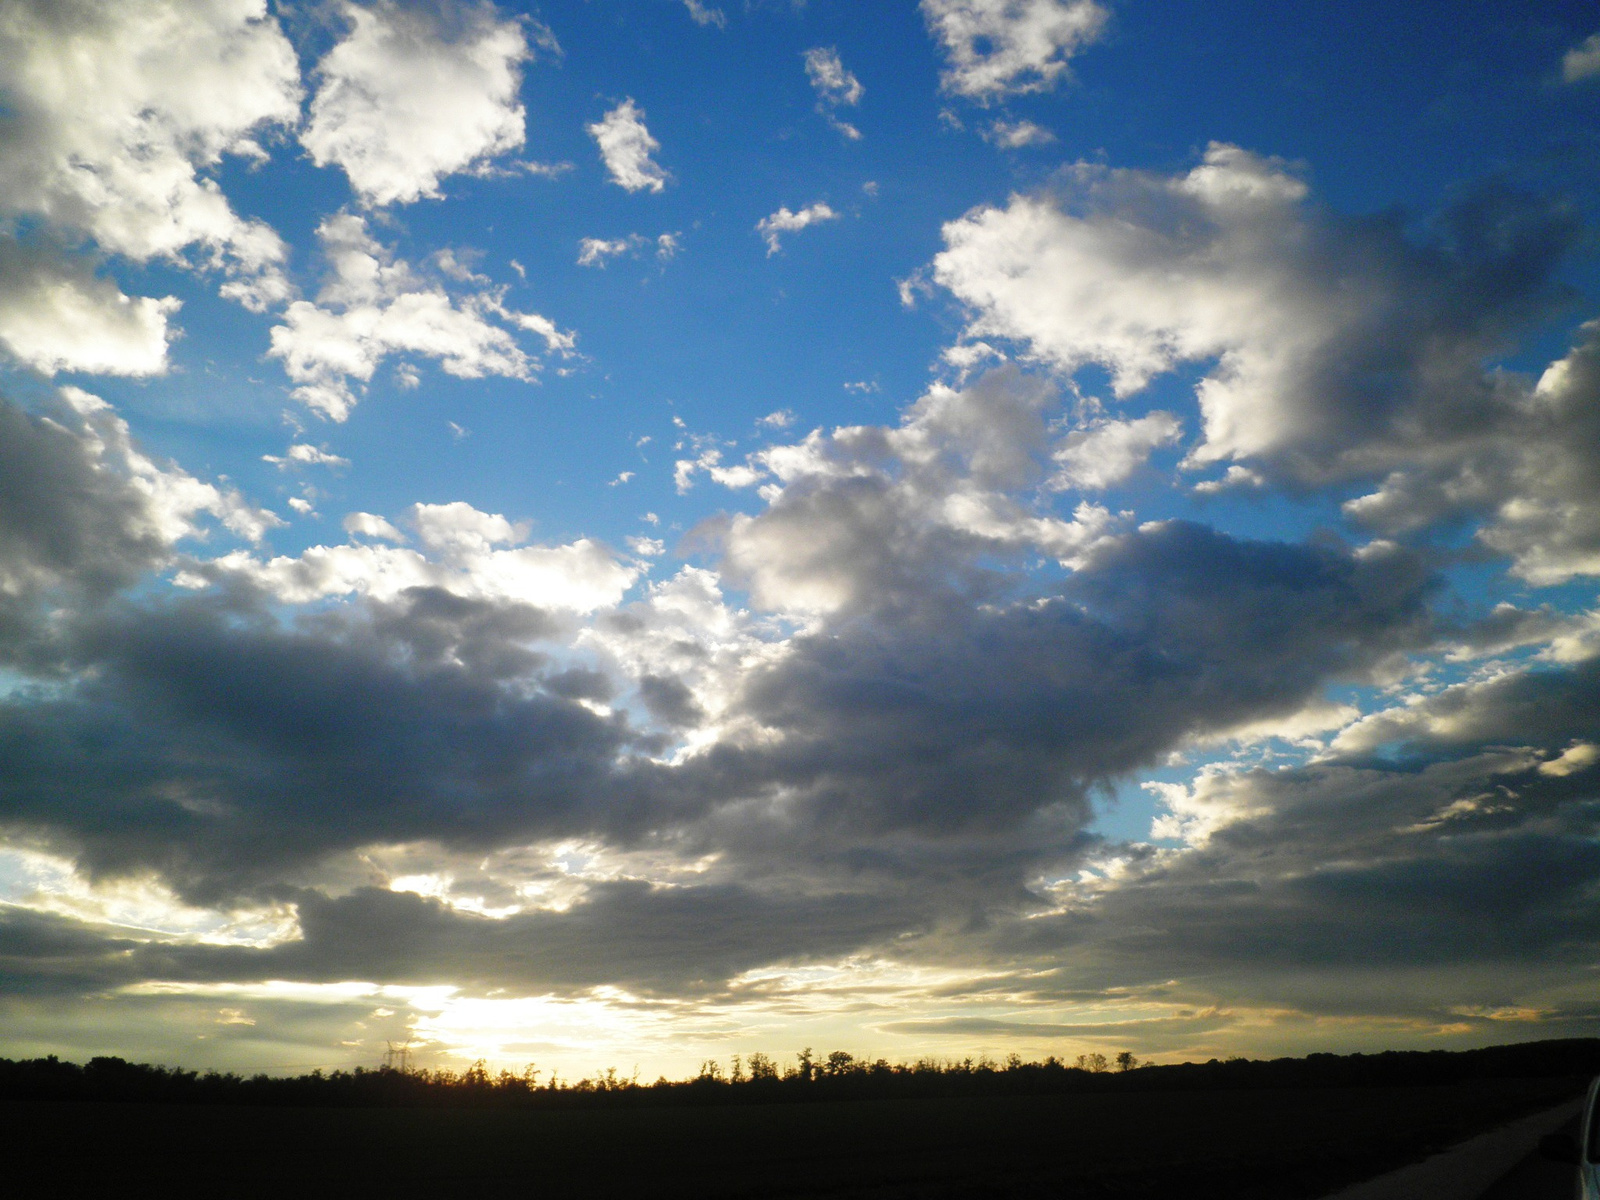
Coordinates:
[596,252]
[1013,135]
[783,221]
[57,315]
[373,305]
[706,14]
[1582,61]
[84,513]
[835,86]
[999,48]
[1218,501]
[411,95]
[1228,267]
[625,148]
[113,112]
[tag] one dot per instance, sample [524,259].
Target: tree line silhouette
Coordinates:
[760,1079]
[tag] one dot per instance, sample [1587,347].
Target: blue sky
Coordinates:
[639,530]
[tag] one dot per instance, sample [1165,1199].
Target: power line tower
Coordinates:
[398,1057]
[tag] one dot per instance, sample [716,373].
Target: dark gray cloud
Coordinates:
[220,748]
[65,519]
[946,749]
[1449,865]
[948,715]
[627,934]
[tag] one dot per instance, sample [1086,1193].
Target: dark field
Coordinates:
[1243,1145]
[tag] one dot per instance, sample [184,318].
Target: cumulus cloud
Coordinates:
[57,315]
[113,112]
[867,512]
[464,551]
[1332,348]
[625,148]
[1108,452]
[925,712]
[1527,467]
[411,95]
[373,305]
[595,252]
[835,86]
[365,524]
[1327,333]
[917,756]
[783,221]
[945,724]
[85,512]
[997,48]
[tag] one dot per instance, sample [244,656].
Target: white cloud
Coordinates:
[832,82]
[783,221]
[1235,477]
[647,547]
[114,109]
[1537,470]
[373,305]
[861,512]
[710,461]
[1582,61]
[835,86]
[1579,756]
[1139,273]
[411,95]
[626,146]
[365,524]
[1141,296]
[1330,348]
[1109,451]
[172,499]
[705,14]
[463,550]
[57,315]
[997,48]
[1012,135]
[596,252]
[307,455]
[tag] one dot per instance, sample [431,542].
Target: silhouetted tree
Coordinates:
[762,1067]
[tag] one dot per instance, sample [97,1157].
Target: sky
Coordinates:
[628,532]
